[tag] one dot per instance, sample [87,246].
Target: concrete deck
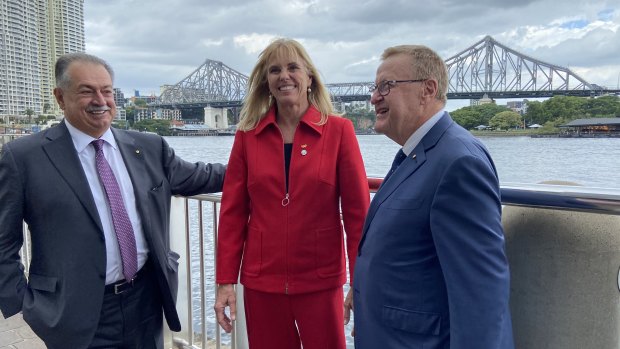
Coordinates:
[16,334]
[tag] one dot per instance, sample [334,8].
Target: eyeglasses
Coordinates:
[384,86]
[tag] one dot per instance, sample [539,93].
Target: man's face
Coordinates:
[398,113]
[88,101]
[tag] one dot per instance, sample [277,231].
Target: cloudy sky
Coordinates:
[154,42]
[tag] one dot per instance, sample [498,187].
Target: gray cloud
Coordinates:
[156,42]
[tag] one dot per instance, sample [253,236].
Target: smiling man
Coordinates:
[431,270]
[97,203]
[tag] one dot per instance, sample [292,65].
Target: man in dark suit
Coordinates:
[97,204]
[431,271]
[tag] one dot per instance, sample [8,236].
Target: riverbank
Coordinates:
[512,133]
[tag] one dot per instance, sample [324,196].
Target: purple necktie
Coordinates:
[120,219]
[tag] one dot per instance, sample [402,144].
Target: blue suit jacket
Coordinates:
[432,271]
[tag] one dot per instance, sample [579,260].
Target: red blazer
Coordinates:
[300,246]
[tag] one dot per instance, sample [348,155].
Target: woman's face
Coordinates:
[288,81]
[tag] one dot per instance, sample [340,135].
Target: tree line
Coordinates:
[551,113]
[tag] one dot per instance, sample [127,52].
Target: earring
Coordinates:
[309,90]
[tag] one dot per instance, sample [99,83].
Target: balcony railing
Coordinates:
[194,222]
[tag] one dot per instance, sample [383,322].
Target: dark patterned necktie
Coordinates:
[398,159]
[120,218]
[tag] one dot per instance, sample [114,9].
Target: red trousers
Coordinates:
[280,321]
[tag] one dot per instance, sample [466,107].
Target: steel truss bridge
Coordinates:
[487,68]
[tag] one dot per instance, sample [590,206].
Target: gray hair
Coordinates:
[425,64]
[62,66]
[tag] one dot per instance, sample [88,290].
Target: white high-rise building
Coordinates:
[33,34]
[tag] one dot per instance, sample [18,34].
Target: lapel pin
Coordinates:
[138,151]
[303,149]
[413,156]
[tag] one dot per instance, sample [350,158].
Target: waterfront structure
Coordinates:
[592,127]
[216,117]
[33,34]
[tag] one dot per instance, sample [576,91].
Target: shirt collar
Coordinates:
[417,136]
[81,140]
[310,118]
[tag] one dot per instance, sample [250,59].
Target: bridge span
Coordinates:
[487,68]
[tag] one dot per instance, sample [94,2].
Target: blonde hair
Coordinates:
[257,100]
[425,64]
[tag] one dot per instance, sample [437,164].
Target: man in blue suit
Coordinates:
[431,271]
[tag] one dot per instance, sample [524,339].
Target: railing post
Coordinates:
[178,241]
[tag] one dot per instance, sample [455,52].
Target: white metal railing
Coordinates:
[194,223]
[193,234]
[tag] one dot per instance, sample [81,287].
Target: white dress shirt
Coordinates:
[86,153]
[417,136]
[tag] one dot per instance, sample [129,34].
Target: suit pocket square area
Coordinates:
[42,283]
[411,321]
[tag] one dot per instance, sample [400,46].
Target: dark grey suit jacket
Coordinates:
[42,183]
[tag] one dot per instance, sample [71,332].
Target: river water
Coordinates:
[591,162]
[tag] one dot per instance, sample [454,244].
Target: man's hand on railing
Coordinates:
[226,297]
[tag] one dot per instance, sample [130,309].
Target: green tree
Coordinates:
[161,127]
[29,112]
[506,120]
[130,114]
[567,107]
[602,107]
[40,120]
[467,117]
[122,124]
[472,116]
[359,117]
[536,113]
[140,103]
[488,111]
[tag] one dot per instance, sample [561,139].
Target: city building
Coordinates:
[133,100]
[119,98]
[121,114]
[517,106]
[33,34]
[484,100]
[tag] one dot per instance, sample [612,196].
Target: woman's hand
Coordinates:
[348,308]
[226,297]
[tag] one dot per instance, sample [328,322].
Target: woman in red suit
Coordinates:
[293,167]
